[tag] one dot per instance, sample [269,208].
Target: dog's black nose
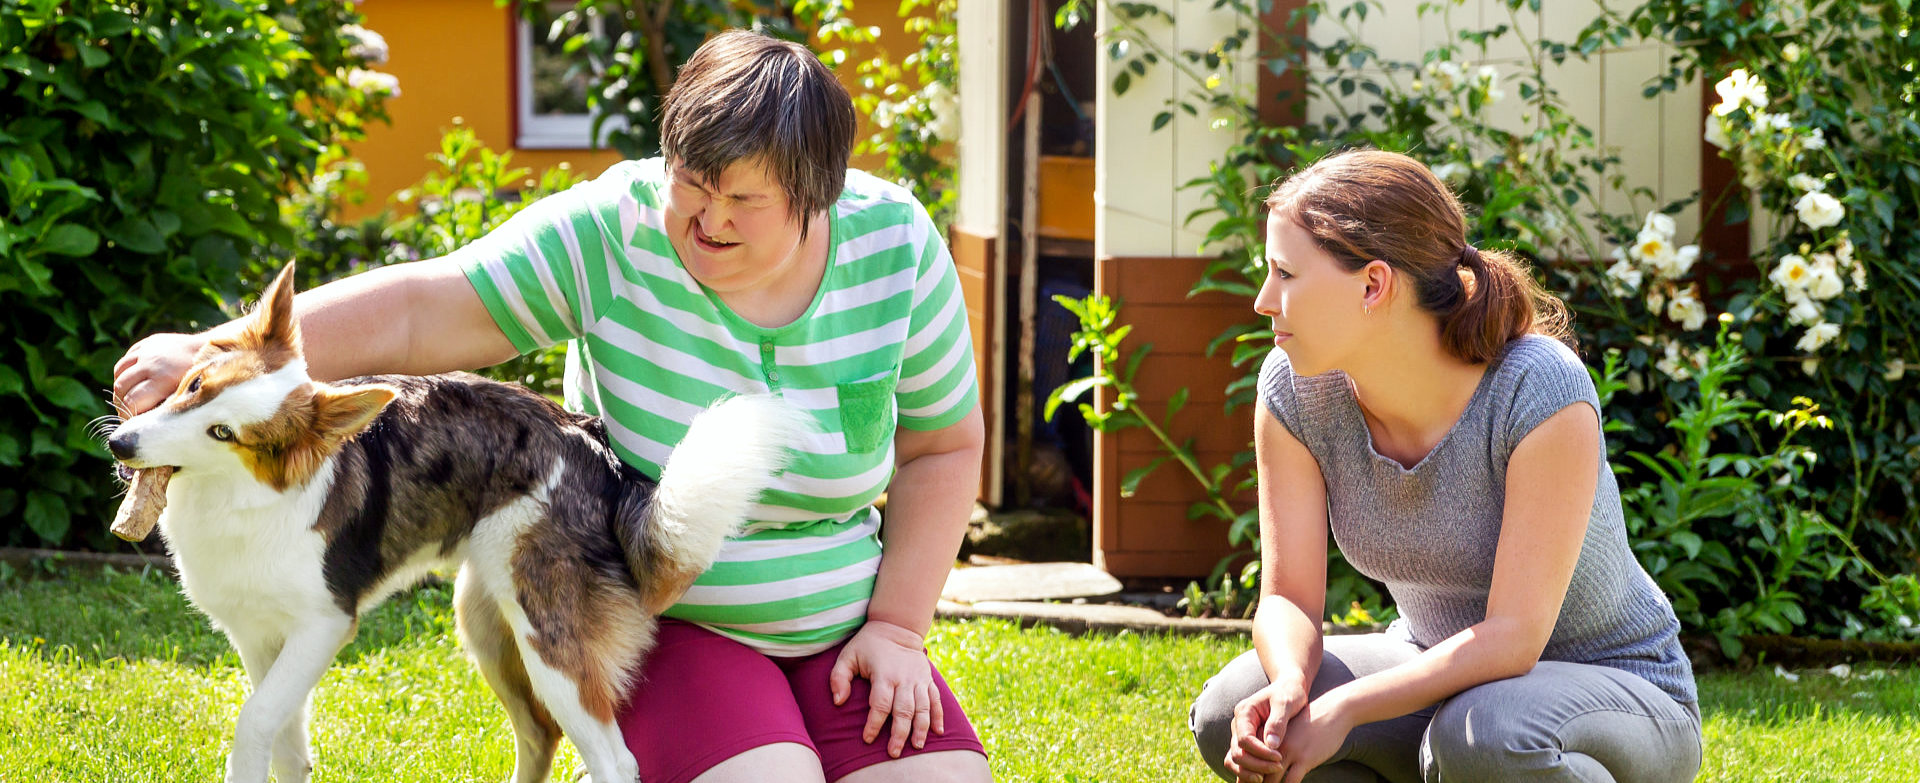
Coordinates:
[123,446]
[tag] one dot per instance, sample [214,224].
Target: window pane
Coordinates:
[560,81]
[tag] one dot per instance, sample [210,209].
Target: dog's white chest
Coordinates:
[258,567]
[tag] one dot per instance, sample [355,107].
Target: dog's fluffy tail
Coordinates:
[730,454]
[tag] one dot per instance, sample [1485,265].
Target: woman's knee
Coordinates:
[1483,734]
[1211,717]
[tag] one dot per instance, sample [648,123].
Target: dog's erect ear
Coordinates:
[273,324]
[341,412]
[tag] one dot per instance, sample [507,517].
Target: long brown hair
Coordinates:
[1363,205]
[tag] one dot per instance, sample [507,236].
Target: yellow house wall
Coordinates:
[453,58]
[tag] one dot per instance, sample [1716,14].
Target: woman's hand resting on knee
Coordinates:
[1260,722]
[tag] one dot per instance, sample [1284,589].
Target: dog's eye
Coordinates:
[220,432]
[193,385]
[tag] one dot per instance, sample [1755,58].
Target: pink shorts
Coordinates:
[704,698]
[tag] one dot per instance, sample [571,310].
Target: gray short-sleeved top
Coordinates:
[1429,532]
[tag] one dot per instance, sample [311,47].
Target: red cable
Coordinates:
[1033,63]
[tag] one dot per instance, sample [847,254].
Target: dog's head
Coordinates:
[248,408]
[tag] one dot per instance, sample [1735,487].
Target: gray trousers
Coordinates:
[1561,722]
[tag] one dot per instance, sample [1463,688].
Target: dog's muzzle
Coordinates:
[124,446]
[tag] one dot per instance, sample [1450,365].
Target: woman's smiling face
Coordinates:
[1315,304]
[735,232]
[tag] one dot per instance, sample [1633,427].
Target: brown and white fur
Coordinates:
[297,506]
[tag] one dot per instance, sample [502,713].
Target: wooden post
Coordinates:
[1029,290]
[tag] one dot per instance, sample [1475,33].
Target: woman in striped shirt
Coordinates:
[746,259]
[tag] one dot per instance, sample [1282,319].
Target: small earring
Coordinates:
[1368,309]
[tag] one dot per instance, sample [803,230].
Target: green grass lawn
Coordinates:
[112,677]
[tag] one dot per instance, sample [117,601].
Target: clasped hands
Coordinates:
[1279,736]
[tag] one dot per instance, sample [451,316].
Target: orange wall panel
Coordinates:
[454,58]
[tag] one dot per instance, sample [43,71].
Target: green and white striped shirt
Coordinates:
[884,344]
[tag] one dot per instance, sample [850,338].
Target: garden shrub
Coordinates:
[144,149]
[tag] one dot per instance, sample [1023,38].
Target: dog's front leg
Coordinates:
[282,694]
[292,756]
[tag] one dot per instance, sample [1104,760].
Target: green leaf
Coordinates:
[47,516]
[70,394]
[9,450]
[138,234]
[70,239]
[92,56]
[1687,541]
[1069,392]
[1131,482]
[10,381]
[1175,403]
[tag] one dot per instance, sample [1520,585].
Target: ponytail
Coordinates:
[1494,302]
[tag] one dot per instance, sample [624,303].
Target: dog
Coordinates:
[297,506]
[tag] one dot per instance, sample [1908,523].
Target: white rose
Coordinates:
[1659,222]
[1650,245]
[1683,260]
[1817,140]
[1860,278]
[1671,364]
[1810,366]
[1717,134]
[1819,210]
[1807,183]
[1627,276]
[1687,310]
[1804,312]
[374,82]
[1844,251]
[1450,74]
[1739,89]
[368,46]
[1818,336]
[1825,284]
[1489,76]
[1452,172]
[1895,369]
[1791,273]
[1791,52]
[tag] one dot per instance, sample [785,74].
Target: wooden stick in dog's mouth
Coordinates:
[140,509]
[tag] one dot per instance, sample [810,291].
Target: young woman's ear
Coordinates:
[1380,278]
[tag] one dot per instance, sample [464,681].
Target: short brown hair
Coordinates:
[748,96]
[1363,205]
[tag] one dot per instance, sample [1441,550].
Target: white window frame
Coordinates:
[550,131]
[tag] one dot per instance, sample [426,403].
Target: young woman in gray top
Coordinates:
[1420,408]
